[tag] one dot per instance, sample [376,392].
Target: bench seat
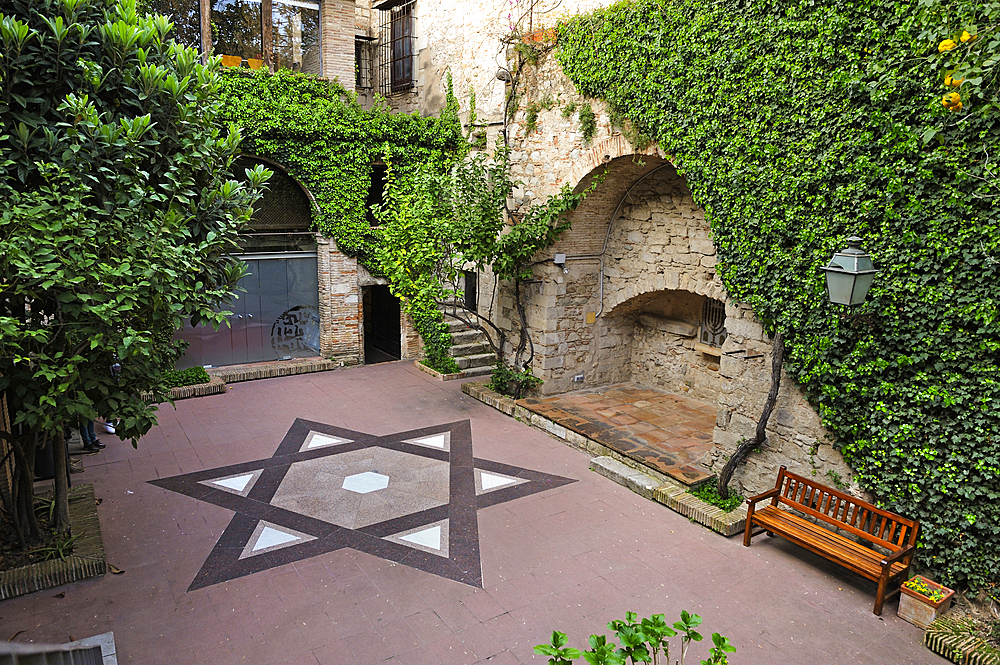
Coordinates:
[872,530]
[828,544]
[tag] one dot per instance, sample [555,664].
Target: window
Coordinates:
[255,33]
[363,62]
[296,36]
[396,47]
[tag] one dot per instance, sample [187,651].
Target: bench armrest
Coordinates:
[760,497]
[896,556]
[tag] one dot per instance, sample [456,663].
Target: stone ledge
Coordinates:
[436,374]
[672,495]
[86,561]
[270,370]
[953,636]
[646,482]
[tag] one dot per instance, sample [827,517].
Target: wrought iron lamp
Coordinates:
[849,275]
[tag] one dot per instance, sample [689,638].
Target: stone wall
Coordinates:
[639,321]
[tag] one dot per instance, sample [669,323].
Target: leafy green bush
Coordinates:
[709,493]
[508,381]
[796,125]
[640,642]
[191,376]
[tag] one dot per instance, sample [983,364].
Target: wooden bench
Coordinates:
[893,533]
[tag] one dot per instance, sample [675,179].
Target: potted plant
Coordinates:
[921,601]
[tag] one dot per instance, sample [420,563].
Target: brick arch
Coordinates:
[608,150]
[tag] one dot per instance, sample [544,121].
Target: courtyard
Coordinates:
[255,527]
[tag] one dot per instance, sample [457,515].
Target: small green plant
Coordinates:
[837,481]
[508,381]
[710,494]
[60,546]
[920,585]
[186,377]
[532,111]
[640,642]
[569,110]
[588,122]
[45,508]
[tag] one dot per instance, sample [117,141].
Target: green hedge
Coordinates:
[796,125]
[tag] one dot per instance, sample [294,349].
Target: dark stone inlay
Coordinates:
[463,561]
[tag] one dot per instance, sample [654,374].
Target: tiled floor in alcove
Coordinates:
[668,432]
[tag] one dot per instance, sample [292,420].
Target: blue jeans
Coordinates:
[87,434]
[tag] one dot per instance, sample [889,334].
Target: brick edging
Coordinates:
[436,374]
[86,561]
[953,636]
[645,481]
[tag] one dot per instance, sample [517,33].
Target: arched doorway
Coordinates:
[275,314]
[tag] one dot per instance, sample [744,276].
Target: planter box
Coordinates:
[920,610]
[438,375]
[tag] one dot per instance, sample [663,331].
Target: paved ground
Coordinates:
[569,557]
[668,432]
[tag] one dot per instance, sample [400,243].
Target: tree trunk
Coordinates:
[742,450]
[522,317]
[60,469]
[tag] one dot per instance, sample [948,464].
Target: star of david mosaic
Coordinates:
[410,497]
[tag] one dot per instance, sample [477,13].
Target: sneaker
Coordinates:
[97,444]
[90,450]
[109,427]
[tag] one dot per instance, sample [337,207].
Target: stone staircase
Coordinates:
[470,348]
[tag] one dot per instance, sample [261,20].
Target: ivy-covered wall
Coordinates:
[328,142]
[796,125]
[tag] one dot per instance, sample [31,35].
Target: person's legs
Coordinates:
[90,442]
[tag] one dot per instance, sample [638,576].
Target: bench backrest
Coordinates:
[844,511]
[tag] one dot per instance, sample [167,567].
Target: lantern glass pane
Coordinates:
[861,285]
[839,287]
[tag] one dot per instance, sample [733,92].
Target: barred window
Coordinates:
[363,79]
[396,48]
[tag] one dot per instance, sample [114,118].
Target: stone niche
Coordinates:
[665,349]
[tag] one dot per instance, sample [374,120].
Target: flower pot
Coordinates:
[918,608]
[540,35]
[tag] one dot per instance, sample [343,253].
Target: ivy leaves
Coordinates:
[795,128]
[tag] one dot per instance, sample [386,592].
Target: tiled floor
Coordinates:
[570,558]
[665,431]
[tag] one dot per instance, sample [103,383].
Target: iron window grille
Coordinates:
[396,47]
[363,79]
[713,323]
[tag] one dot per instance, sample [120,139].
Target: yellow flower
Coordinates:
[966,37]
[951,99]
[947,45]
[956,82]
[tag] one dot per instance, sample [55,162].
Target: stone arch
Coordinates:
[608,150]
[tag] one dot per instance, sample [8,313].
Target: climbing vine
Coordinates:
[796,125]
[328,142]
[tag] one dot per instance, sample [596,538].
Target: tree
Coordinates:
[119,215]
[437,224]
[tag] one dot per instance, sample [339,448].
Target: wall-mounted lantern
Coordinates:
[850,274]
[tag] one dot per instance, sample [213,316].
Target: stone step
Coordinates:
[478,360]
[468,337]
[485,370]
[455,325]
[459,350]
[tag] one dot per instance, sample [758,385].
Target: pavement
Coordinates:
[257,526]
